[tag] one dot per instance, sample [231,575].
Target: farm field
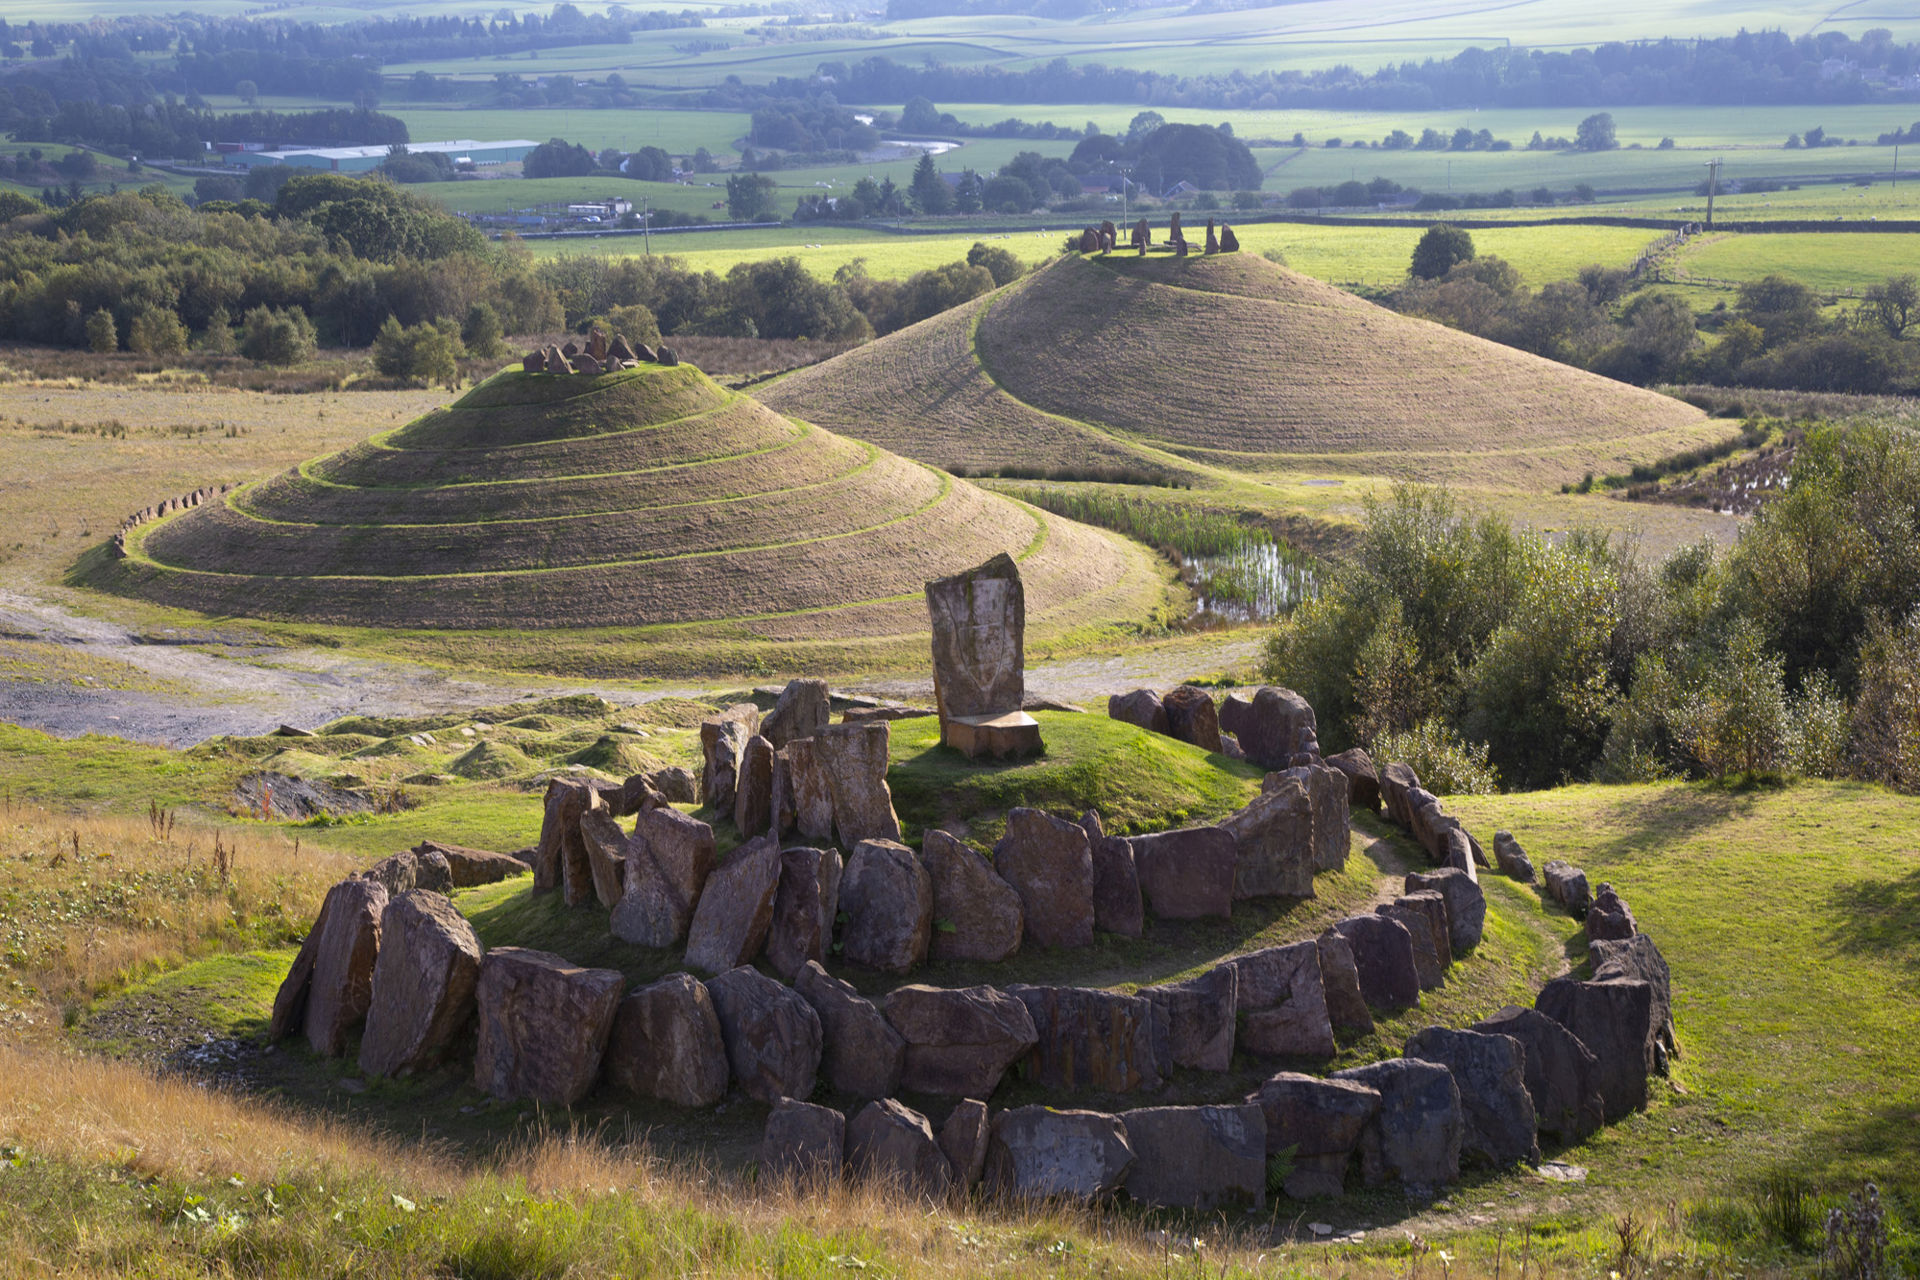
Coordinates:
[507,195]
[675,132]
[1828,263]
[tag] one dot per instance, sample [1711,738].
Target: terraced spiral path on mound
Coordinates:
[648,498]
[1228,365]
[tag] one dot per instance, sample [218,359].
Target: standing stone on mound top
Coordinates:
[1213,238]
[979,621]
[570,349]
[801,712]
[1049,863]
[341,989]
[1229,242]
[1363,780]
[723,741]
[1116,883]
[1191,717]
[576,863]
[606,846]
[1142,233]
[853,757]
[666,356]
[806,778]
[1332,815]
[963,1138]
[1490,1073]
[1383,953]
[1615,1021]
[676,783]
[753,788]
[1321,1122]
[1198,1157]
[1090,1039]
[544,1024]
[1110,233]
[1186,874]
[1559,1072]
[1180,248]
[556,361]
[1511,858]
[772,1036]
[804,908]
[1273,839]
[1424,916]
[1199,1016]
[803,1143]
[1637,958]
[597,343]
[566,800]
[1090,240]
[1466,905]
[960,1042]
[585,363]
[620,350]
[976,914]
[666,1044]
[1567,885]
[641,351]
[1396,780]
[1037,1153]
[887,898]
[862,1054]
[1414,1139]
[892,1143]
[1340,976]
[1281,1000]
[668,861]
[735,910]
[1141,708]
[423,980]
[290,1001]
[533,362]
[1609,919]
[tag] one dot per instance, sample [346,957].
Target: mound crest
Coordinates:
[1228,361]
[646,497]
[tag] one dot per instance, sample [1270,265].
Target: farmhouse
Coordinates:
[462,152]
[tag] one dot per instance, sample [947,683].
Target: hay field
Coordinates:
[644,499]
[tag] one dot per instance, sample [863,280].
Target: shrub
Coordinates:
[480,332]
[1448,765]
[1439,250]
[156,332]
[1818,724]
[273,336]
[1886,711]
[636,321]
[102,336]
[1735,722]
[426,352]
[217,337]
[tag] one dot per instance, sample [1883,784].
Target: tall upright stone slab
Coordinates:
[979,621]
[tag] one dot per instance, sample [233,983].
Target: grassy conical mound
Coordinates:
[646,498]
[1226,361]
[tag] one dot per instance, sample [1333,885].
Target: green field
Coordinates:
[1829,263]
[507,195]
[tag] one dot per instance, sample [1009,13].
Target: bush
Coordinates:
[635,321]
[102,336]
[1447,764]
[480,332]
[425,352]
[274,336]
[1439,250]
[1735,722]
[156,332]
[217,338]
[1886,711]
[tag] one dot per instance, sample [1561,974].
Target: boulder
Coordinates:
[1428,823]
[1558,1071]
[412,869]
[676,784]
[1396,780]
[1425,916]
[892,1142]
[1229,242]
[1282,1003]
[1049,863]
[1511,858]
[1614,1020]
[803,1143]
[887,899]
[805,905]
[1038,1153]
[1321,1120]
[1141,708]
[470,867]
[979,621]
[668,860]
[1327,794]
[735,910]
[1191,717]
[801,712]
[606,846]
[772,1035]
[1383,953]
[1090,1039]
[862,1054]
[1466,904]
[1273,842]
[1199,1018]
[1489,1070]
[1340,976]
[560,859]
[1116,883]
[1458,853]
[1271,725]
[423,980]
[753,788]
[1609,919]
[963,1140]
[854,759]
[666,1044]
[544,1024]
[341,989]
[1363,781]
[723,741]
[1414,1139]
[1636,958]
[1197,1157]
[1187,874]
[1566,884]
[806,778]
[976,914]
[959,1041]
[290,1001]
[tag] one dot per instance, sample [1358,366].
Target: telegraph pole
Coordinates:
[646,222]
[1713,185]
[1126,172]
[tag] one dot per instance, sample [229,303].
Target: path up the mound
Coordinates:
[1229,361]
[637,499]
